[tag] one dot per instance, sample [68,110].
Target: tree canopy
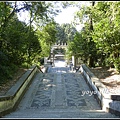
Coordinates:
[102,42]
[23,44]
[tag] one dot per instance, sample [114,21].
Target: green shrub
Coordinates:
[117,64]
[5,73]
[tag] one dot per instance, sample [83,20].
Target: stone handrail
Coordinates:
[11,99]
[108,102]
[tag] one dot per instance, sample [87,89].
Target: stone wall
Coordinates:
[107,101]
[11,99]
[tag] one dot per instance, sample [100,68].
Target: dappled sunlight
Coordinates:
[47,84]
[51,85]
[62,71]
[46,80]
[99,111]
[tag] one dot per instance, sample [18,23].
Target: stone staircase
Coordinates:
[59,113]
[58,94]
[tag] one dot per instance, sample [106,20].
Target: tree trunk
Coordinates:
[92,57]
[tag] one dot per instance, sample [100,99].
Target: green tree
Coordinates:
[47,37]
[65,32]
[18,41]
[91,57]
[103,37]
[106,33]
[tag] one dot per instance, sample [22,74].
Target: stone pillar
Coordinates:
[73,60]
[53,58]
[45,60]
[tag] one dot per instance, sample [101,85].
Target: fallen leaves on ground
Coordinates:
[109,77]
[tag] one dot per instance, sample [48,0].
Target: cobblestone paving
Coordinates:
[58,94]
[43,94]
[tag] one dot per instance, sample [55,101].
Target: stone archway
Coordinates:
[58,50]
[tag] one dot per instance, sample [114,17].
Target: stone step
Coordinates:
[62,100]
[59,113]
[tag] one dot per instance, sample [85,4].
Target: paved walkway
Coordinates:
[58,94]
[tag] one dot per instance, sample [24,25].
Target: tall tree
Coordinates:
[47,37]
[85,16]
[65,32]
[106,32]
[92,53]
